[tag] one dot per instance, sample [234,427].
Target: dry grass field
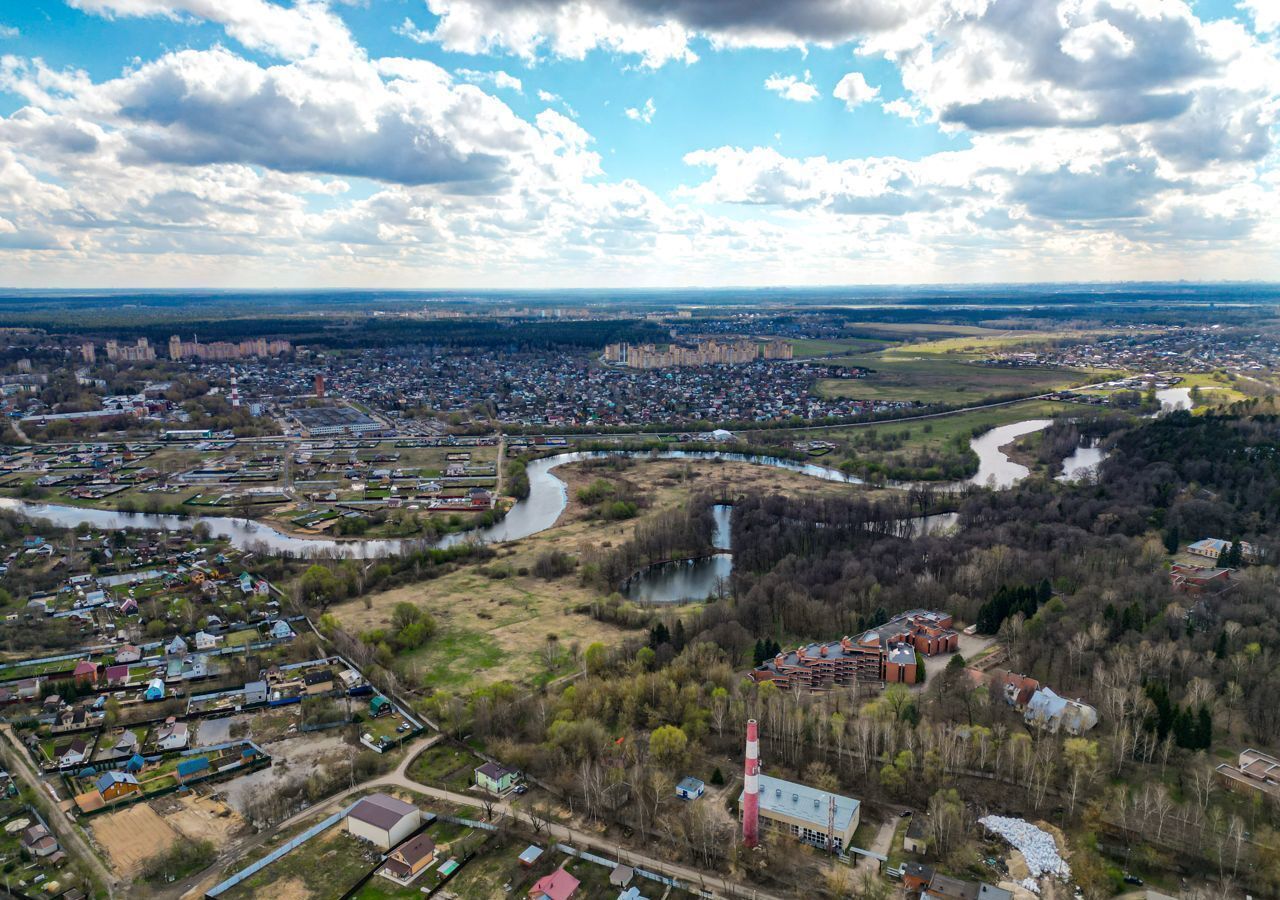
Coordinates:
[494,629]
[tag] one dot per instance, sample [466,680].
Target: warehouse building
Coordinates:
[383,820]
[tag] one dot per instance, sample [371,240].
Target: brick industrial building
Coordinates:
[886,653]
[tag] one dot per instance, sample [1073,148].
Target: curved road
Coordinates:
[194,887]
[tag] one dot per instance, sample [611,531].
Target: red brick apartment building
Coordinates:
[883,654]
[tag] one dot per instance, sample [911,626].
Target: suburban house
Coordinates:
[71,754]
[155,689]
[38,841]
[116,676]
[205,640]
[176,647]
[886,653]
[383,820]
[280,630]
[1255,771]
[410,858]
[86,672]
[690,788]
[128,654]
[255,692]
[114,785]
[126,744]
[807,813]
[559,885]
[172,736]
[1047,710]
[495,777]
[1017,689]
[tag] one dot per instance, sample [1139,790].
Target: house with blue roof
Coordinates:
[280,630]
[114,785]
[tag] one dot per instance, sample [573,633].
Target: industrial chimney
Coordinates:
[320,386]
[751,789]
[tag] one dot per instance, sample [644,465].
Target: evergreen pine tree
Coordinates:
[1204,729]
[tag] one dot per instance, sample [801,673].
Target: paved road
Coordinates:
[68,836]
[580,839]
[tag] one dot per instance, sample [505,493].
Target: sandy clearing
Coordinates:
[132,836]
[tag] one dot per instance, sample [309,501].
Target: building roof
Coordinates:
[988,892]
[107,779]
[381,811]
[191,766]
[918,828]
[494,771]
[559,885]
[689,784]
[415,849]
[944,886]
[530,854]
[917,870]
[802,802]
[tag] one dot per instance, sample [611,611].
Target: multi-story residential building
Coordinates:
[142,351]
[886,653]
[219,350]
[704,353]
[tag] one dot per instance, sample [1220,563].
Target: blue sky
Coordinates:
[274,143]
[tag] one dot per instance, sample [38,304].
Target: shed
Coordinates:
[193,768]
[690,788]
[530,855]
[916,839]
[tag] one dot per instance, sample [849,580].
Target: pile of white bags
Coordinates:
[1035,845]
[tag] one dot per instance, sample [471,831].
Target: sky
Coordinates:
[636,143]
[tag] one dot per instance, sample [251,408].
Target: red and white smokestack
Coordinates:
[751,789]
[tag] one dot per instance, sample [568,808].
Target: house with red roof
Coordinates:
[559,885]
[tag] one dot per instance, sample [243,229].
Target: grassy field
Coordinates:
[325,866]
[942,379]
[445,766]
[938,431]
[494,621]
[945,368]
[844,346]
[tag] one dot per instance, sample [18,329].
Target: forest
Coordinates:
[1072,579]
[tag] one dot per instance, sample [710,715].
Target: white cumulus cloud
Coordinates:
[643,114]
[789,87]
[854,90]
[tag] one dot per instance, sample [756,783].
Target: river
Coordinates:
[996,469]
[548,497]
[1086,459]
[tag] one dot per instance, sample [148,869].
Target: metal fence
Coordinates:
[249,871]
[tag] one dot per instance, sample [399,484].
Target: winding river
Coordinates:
[548,497]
